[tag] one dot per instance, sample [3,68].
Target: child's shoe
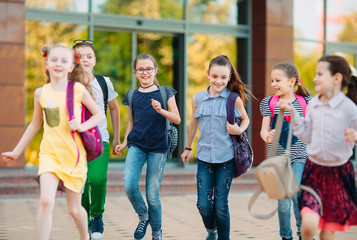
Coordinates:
[212,236]
[140,230]
[97,228]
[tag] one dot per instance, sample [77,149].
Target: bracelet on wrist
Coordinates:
[189,149]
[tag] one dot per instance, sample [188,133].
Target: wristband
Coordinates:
[189,149]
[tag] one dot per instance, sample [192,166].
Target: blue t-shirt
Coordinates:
[149,130]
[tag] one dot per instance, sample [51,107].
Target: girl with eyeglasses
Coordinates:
[147,139]
[93,198]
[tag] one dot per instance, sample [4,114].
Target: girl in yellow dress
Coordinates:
[58,151]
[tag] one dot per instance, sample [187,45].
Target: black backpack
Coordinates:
[103,85]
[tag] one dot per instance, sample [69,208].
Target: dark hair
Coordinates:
[337,64]
[235,84]
[84,44]
[291,71]
[77,75]
[144,56]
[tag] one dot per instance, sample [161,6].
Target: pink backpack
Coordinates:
[91,139]
[274,99]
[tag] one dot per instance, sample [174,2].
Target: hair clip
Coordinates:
[76,57]
[44,54]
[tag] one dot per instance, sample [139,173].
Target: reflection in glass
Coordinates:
[202,49]
[213,11]
[161,48]
[113,55]
[306,55]
[308,21]
[39,34]
[167,9]
[341,21]
[63,5]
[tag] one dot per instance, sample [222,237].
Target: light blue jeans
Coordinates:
[213,185]
[284,206]
[135,160]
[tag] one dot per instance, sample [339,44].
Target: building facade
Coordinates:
[182,35]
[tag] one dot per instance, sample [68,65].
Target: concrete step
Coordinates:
[17,182]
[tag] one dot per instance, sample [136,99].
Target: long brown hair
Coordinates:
[77,75]
[337,64]
[235,84]
[291,71]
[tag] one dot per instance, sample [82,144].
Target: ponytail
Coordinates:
[352,89]
[302,91]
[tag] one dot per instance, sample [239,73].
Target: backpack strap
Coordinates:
[272,103]
[130,101]
[104,87]
[302,102]
[164,102]
[231,100]
[274,100]
[70,111]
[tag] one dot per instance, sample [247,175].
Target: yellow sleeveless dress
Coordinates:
[58,151]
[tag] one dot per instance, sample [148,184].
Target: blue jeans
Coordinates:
[284,206]
[213,185]
[135,160]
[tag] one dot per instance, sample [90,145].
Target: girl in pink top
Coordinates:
[329,130]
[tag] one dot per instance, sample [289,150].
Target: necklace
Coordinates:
[147,86]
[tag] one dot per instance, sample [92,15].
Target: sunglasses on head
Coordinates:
[83,42]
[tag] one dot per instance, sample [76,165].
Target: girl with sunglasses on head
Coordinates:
[93,198]
[58,151]
[147,138]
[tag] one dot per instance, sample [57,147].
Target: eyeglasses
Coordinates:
[81,41]
[142,70]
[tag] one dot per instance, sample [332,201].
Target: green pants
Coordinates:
[95,190]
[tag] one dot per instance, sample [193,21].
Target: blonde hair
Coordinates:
[77,75]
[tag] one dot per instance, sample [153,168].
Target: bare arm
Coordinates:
[93,108]
[234,129]
[129,127]
[265,133]
[173,114]
[30,132]
[192,130]
[115,116]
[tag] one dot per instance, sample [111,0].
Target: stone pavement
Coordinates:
[181,220]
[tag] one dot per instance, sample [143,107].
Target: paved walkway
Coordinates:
[181,220]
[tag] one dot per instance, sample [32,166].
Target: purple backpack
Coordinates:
[91,139]
[243,153]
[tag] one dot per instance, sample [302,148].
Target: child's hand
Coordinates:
[120,147]
[185,156]
[74,125]
[116,142]
[285,105]
[350,135]
[156,105]
[9,156]
[233,129]
[270,136]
